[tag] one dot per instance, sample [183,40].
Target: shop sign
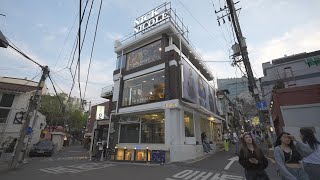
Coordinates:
[170,105]
[100,113]
[150,19]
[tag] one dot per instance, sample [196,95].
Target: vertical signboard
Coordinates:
[100,113]
[196,89]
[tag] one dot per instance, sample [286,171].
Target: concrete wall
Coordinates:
[57,139]
[187,152]
[294,118]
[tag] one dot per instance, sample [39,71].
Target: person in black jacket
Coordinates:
[252,159]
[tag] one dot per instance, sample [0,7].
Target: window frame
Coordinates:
[7,108]
[123,88]
[126,59]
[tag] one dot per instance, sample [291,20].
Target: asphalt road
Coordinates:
[73,164]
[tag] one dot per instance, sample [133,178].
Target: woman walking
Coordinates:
[309,148]
[287,158]
[252,159]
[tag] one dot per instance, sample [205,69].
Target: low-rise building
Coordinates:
[15,94]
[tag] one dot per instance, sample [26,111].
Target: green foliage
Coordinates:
[73,114]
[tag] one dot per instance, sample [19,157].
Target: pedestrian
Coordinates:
[252,159]
[236,142]
[205,143]
[287,158]
[309,148]
[226,137]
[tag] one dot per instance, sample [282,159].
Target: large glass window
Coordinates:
[152,128]
[151,131]
[144,89]
[144,55]
[129,129]
[6,101]
[189,124]
[121,61]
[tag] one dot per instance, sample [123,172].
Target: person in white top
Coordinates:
[309,148]
[236,142]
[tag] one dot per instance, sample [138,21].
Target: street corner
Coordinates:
[203,175]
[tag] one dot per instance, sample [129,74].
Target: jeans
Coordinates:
[256,174]
[313,170]
[206,146]
[236,150]
[299,173]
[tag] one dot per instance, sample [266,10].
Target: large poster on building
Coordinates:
[196,89]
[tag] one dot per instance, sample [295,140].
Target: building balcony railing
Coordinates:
[107,91]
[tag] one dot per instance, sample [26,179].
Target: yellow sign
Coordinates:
[256,121]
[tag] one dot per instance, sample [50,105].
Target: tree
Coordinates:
[74,116]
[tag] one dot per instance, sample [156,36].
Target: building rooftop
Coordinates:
[171,26]
[16,87]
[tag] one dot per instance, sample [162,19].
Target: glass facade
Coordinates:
[144,55]
[144,89]
[121,61]
[152,128]
[189,124]
[144,128]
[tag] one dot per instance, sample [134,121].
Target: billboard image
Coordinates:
[100,113]
[196,89]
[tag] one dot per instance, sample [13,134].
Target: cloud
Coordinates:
[113,36]
[304,38]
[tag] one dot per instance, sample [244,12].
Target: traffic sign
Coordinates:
[262,105]
[29,130]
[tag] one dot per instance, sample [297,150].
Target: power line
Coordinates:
[199,22]
[61,103]
[65,42]
[23,54]
[58,86]
[94,40]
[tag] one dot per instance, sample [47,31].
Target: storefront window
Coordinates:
[129,129]
[189,124]
[205,128]
[144,55]
[141,155]
[152,128]
[144,89]
[129,155]
[120,154]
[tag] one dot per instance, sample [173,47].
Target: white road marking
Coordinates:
[232,160]
[77,168]
[197,175]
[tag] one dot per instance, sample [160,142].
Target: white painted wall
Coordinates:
[298,116]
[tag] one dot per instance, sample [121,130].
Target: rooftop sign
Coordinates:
[151,18]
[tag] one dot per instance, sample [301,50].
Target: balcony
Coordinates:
[107,92]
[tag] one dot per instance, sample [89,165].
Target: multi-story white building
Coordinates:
[296,70]
[163,96]
[14,101]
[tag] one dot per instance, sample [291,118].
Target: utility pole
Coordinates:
[33,105]
[245,58]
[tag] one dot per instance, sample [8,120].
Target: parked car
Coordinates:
[44,148]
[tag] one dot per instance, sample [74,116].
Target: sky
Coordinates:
[46,30]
